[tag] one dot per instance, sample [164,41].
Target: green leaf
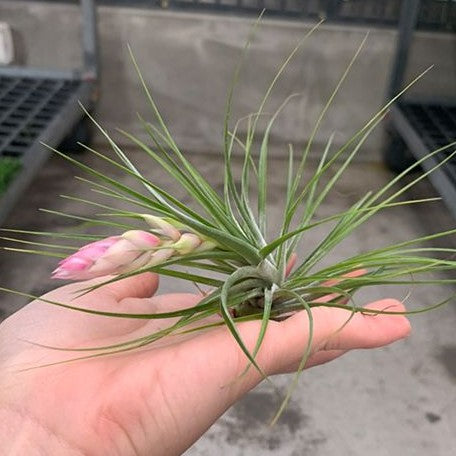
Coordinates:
[239,275]
[294,383]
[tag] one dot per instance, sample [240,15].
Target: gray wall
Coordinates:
[188,60]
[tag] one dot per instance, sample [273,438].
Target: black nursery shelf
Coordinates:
[27,107]
[436,126]
[426,127]
[35,109]
[420,126]
[40,105]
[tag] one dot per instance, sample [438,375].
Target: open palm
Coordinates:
[158,400]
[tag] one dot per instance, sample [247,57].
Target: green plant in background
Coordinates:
[9,167]
[222,242]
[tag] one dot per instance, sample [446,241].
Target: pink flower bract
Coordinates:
[113,255]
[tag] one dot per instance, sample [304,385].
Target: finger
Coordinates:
[333,331]
[291,263]
[286,342]
[140,286]
[156,305]
[161,303]
[111,297]
[80,326]
[351,274]
[137,286]
[136,327]
[333,282]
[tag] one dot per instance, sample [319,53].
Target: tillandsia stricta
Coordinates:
[225,235]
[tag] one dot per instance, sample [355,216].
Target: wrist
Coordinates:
[20,434]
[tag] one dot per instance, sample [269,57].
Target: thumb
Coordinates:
[138,286]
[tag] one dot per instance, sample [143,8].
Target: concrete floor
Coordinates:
[397,400]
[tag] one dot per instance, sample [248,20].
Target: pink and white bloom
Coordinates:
[113,255]
[133,250]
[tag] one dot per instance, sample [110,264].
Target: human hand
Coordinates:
[158,400]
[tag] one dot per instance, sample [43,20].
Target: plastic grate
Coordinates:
[436,125]
[27,106]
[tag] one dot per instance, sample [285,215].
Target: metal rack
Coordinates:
[433,15]
[41,106]
[420,126]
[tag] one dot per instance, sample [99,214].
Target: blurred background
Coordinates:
[398,400]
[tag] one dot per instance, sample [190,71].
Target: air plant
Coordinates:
[225,235]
